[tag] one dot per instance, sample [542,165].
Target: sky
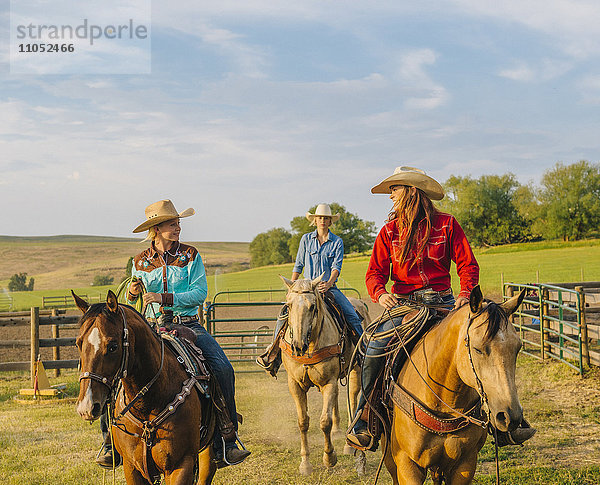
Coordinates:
[253,111]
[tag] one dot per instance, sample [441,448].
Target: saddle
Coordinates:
[340,319]
[181,341]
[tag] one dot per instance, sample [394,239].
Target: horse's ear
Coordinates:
[111,301]
[511,305]
[317,280]
[288,283]
[80,302]
[476,299]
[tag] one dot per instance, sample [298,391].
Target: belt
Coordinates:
[178,319]
[426,295]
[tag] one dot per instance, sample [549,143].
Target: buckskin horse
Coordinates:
[464,363]
[315,353]
[161,431]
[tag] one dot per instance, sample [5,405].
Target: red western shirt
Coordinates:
[447,242]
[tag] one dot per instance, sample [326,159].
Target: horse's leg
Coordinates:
[330,397]
[464,472]
[206,467]
[132,475]
[299,396]
[390,464]
[407,471]
[335,416]
[184,475]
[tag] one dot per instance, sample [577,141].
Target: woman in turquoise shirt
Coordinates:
[173,275]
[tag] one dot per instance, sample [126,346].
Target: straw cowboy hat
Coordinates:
[413,177]
[161,211]
[322,210]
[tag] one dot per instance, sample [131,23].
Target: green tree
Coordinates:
[103,280]
[18,282]
[358,235]
[270,247]
[486,208]
[570,200]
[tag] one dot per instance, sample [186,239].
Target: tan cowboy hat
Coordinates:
[322,210]
[413,177]
[161,211]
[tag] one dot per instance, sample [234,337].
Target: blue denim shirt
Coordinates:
[315,258]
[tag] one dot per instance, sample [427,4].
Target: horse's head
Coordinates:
[488,348]
[305,305]
[103,345]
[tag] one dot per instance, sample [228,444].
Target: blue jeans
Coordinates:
[221,368]
[372,364]
[349,312]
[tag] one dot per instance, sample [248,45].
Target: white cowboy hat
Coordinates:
[161,211]
[322,210]
[413,177]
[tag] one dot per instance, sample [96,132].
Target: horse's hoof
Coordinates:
[361,463]
[305,468]
[330,459]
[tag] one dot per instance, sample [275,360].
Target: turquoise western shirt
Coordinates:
[184,274]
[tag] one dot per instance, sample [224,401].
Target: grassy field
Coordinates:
[523,263]
[73,261]
[47,443]
[72,264]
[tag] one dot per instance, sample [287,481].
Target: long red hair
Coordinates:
[412,208]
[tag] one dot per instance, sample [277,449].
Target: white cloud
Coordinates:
[536,71]
[572,25]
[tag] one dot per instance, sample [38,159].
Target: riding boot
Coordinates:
[360,436]
[517,436]
[270,359]
[107,456]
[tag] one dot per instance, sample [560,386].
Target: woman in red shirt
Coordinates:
[414,249]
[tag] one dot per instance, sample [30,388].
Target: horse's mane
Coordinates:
[497,319]
[97,309]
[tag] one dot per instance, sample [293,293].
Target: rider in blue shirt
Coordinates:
[320,253]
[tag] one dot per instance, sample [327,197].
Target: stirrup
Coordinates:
[221,461]
[353,440]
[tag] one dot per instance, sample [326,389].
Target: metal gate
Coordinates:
[550,323]
[243,321]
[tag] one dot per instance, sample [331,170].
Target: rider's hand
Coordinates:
[460,301]
[387,300]
[323,286]
[152,298]
[136,287]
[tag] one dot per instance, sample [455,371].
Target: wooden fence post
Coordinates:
[585,351]
[55,350]
[35,340]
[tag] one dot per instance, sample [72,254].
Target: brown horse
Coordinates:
[315,355]
[471,353]
[161,434]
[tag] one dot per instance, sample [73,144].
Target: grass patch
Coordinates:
[47,443]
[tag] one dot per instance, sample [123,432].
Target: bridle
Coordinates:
[122,372]
[314,313]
